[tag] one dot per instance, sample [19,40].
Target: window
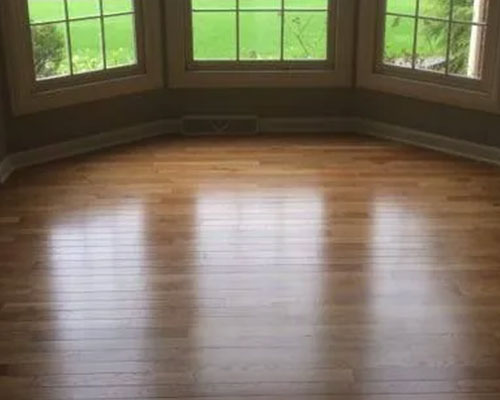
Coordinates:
[442,50]
[260,42]
[441,36]
[261,30]
[62,52]
[74,37]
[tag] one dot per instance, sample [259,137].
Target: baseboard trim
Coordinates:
[5,169]
[87,144]
[431,141]
[301,125]
[271,125]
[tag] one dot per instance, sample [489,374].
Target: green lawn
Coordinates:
[86,40]
[215,32]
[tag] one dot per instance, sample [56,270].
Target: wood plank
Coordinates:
[297,267]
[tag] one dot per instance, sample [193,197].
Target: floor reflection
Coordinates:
[98,275]
[261,252]
[411,324]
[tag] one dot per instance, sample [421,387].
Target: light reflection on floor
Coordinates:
[254,233]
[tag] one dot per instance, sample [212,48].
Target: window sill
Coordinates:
[429,91]
[27,103]
[249,79]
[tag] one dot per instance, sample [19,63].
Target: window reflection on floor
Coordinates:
[97,261]
[261,251]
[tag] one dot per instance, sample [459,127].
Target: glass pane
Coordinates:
[260,4]
[306,4]
[402,6]
[117,6]
[120,40]
[432,39]
[398,40]
[260,35]
[470,10]
[305,35]
[435,8]
[46,10]
[466,51]
[213,4]
[50,50]
[83,8]
[86,45]
[214,35]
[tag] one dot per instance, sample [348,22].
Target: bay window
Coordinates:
[442,50]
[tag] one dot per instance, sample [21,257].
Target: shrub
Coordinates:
[460,35]
[48,50]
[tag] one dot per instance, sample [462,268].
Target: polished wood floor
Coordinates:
[264,268]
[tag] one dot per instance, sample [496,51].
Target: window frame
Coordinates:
[29,95]
[372,73]
[329,62]
[183,71]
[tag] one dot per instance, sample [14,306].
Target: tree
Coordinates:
[48,50]
[460,34]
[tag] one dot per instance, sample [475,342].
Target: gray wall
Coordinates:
[48,127]
[474,126]
[31,131]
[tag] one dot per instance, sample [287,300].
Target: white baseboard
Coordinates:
[432,141]
[271,125]
[87,144]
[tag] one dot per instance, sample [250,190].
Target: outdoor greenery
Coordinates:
[432,36]
[214,33]
[50,42]
[49,50]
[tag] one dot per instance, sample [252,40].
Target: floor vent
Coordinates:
[219,125]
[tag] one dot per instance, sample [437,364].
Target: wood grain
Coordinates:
[260,268]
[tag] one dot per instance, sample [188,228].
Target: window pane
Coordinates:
[117,6]
[306,4]
[86,45]
[120,40]
[470,10]
[214,35]
[214,4]
[260,35]
[402,6]
[435,8]
[432,39]
[50,51]
[260,4]
[305,35]
[46,10]
[398,40]
[466,55]
[83,8]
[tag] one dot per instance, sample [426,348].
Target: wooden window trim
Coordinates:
[29,95]
[182,72]
[482,94]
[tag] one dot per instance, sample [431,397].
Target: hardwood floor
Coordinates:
[263,268]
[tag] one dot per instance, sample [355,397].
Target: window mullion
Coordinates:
[448,42]
[415,35]
[103,35]
[68,38]
[282,38]
[238,30]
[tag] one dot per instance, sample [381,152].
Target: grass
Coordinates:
[215,32]
[86,43]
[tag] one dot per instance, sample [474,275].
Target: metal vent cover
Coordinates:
[219,125]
